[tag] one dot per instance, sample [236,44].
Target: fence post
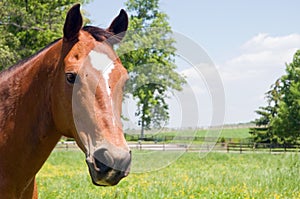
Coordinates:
[227,147]
[284,148]
[241,150]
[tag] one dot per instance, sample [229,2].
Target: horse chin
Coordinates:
[104,178]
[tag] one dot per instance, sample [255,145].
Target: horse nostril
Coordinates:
[104,162]
[102,166]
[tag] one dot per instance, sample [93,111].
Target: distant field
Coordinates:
[65,175]
[229,134]
[226,133]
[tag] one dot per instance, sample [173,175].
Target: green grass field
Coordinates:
[217,175]
[229,134]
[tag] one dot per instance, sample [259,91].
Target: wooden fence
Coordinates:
[219,147]
[262,147]
[66,146]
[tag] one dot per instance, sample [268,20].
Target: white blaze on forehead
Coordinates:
[103,63]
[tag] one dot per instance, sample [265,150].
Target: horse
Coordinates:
[73,87]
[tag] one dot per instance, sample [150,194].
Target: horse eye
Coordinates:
[71,77]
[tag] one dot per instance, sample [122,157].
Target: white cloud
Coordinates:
[261,55]
[264,41]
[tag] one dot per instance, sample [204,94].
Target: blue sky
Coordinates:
[249,42]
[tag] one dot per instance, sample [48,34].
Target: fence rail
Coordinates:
[66,146]
[219,147]
[266,147]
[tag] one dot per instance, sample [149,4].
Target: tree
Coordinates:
[148,53]
[27,26]
[280,119]
[286,124]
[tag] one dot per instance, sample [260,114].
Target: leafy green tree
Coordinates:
[280,120]
[286,124]
[148,53]
[27,26]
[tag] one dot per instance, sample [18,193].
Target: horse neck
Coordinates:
[25,110]
[34,107]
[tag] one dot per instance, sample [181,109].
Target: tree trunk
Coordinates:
[142,130]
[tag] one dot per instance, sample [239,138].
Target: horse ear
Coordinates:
[119,25]
[73,23]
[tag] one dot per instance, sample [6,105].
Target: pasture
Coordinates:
[217,175]
[229,134]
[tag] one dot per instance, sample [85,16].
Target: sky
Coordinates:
[248,42]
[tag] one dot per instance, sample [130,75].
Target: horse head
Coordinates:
[88,93]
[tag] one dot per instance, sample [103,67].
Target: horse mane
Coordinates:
[98,33]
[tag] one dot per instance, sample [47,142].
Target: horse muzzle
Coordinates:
[108,166]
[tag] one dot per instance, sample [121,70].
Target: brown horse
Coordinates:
[73,87]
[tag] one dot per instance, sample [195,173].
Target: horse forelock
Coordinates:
[98,33]
[101,35]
